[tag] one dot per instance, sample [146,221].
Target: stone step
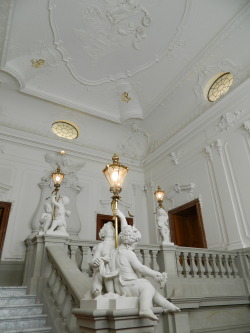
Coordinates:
[20,310]
[17,300]
[13,291]
[24,322]
[32,330]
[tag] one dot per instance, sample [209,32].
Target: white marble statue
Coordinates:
[129,282]
[120,271]
[46,218]
[58,225]
[163,226]
[102,277]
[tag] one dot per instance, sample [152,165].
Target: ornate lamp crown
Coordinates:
[57,177]
[115,174]
[159,194]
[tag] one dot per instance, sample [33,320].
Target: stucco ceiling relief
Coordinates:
[228,120]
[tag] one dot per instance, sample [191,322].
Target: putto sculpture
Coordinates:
[163,226]
[120,271]
[53,221]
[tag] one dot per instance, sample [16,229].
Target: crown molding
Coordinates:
[36,141]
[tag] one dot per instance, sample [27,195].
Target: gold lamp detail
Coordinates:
[57,177]
[159,195]
[115,174]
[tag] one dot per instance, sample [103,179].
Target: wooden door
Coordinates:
[4,216]
[186,225]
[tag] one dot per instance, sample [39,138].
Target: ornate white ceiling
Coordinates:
[115,59]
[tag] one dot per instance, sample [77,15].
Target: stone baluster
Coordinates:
[201,269]
[185,265]
[208,265]
[155,265]
[193,267]
[213,261]
[56,287]
[73,250]
[221,268]
[52,278]
[66,310]
[179,262]
[85,257]
[146,258]
[235,272]
[226,265]
[139,255]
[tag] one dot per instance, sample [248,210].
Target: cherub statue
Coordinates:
[59,221]
[102,277]
[129,282]
[163,226]
[46,218]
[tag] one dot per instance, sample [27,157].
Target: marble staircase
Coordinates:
[19,313]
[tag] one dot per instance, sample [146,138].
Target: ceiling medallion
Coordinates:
[65,129]
[220,86]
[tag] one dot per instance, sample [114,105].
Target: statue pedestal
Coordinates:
[106,315]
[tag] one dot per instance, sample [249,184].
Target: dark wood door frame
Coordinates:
[182,212]
[4,216]
[102,219]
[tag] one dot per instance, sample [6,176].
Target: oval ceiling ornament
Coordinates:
[106,40]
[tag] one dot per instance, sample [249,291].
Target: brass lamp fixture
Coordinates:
[159,194]
[115,174]
[57,179]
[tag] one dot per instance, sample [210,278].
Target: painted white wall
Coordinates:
[217,160]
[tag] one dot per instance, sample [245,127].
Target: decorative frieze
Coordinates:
[228,120]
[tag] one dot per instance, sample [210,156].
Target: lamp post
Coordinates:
[115,174]
[159,194]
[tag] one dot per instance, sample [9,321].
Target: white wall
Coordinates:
[217,160]
[22,165]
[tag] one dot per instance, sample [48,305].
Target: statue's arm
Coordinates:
[96,257]
[123,220]
[53,200]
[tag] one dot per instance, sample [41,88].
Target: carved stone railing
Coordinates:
[202,263]
[57,270]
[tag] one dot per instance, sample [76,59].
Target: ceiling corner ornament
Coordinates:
[37,63]
[125,97]
[136,147]
[228,120]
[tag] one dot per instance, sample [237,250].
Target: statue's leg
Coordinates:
[109,284]
[96,284]
[159,300]
[146,294]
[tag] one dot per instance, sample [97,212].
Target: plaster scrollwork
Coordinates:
[228,120]
[137,145]
[218,145]
[56,160]
[246,126]
[188,190]
[4,190]
[175,156]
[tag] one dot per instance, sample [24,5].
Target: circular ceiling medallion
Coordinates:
[65,129]
[220,86]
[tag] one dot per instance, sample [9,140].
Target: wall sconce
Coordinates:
[115,174]
[159,194]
